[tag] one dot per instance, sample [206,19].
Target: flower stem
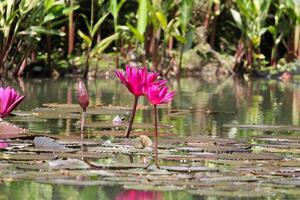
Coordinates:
[136,98]
[156,136]
[82,121]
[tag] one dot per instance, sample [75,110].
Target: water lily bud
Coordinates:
[82,95]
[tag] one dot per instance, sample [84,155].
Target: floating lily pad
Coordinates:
[188,169]
[67,164]
[50,144]
[263,127]
[21,156]
[133,133]
[124,125]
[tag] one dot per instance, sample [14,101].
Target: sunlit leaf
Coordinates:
[85,38]
[142,17]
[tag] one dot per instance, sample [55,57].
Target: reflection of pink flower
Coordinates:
[9,100]
[159,94]
[138,195]
[135,79]
[286,76]
[3,144]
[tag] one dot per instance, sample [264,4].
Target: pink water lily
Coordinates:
[136,80]
[158,94]
[9,100]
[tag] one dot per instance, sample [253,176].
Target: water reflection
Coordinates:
[209,104]
[139,195]
[27,190]
[199,108]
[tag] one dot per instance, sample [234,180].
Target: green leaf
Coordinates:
[142,15]
[97,25]
[103,44]
[36,30]
[113,8]
[162,19]
[263,30]
[180,38]
[153,20]
[272,30]
[85,38]
[120,5]
[136,33]
[48,4]
[237,18]
[68,10]
[86,22]
[186,14]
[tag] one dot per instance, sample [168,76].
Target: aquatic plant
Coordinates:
[83,100]
[158,94]
[250,19]
[135,79]
[90,36]
[9,100]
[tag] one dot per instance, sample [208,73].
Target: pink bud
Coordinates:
[82,95]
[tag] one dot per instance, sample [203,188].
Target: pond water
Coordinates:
[200,108]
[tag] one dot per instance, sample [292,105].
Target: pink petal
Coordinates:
[15,104]
[152,76]
[168,97]
[163,91]
[120,76]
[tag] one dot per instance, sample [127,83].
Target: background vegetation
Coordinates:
[75,36]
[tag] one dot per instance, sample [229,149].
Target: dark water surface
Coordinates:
[199,108]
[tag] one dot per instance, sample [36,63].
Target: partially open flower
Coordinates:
[9,100]
[158,94]
[135,79]
[82,95]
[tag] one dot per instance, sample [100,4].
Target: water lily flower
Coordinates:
[83,100]
[136,79]
[9,100]
[156,95]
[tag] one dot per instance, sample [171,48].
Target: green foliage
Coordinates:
[25,21]
[138,25]
[251,19]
